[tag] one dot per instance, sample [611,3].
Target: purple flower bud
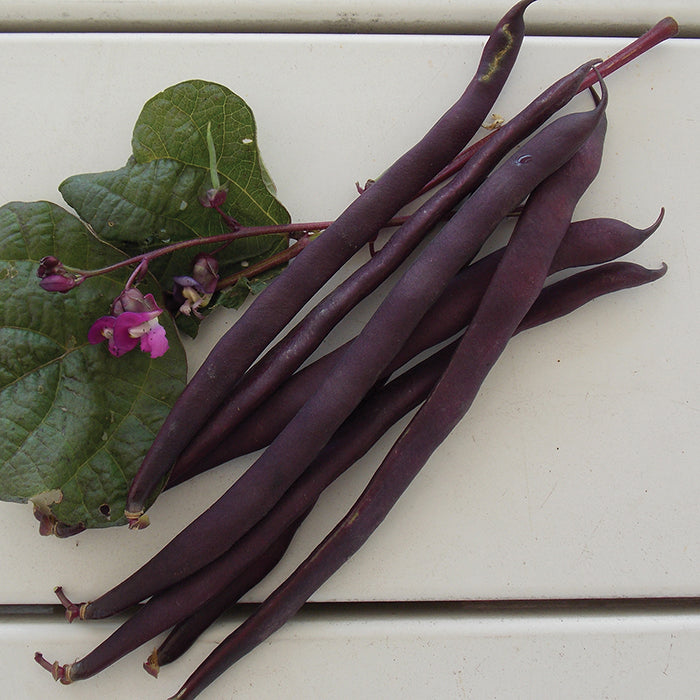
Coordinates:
[134,301]
[129,300]
[213,197]
[48,265]
[59,283]
[54,276]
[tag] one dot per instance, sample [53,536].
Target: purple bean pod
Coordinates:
[186,632]
[555,301]
[273,308]
[587,242]
[261,486]
[515,286]
[394,401]
[163,611]
[288,354]
[195,603]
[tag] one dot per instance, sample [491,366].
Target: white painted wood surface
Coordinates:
[575,475]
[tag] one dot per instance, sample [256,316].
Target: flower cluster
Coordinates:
[133,320]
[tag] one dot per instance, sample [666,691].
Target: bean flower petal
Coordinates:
[101,329]
[128,329]
[155,341]
[151,303]
[134,321]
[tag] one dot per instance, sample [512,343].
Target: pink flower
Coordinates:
[127,329]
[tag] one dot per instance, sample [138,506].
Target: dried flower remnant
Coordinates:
[191,293]
[213,197]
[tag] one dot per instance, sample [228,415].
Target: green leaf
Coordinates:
[75,422]
[235,295]
[154,199]
[174,123]
[148,205]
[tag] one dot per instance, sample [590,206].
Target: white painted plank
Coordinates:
[576,472]
[391,655]
[593,17]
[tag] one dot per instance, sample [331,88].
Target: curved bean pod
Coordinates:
[289,353]
[195,603]
[161,613]
[511,293]
[266,480]
[658,33]
[273,308]
[587,242]
[555,301]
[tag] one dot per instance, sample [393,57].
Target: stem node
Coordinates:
[151,665]
[73,610]
[59,672]
[137,520]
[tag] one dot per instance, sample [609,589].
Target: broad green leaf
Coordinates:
[75,422]
[154,199]
[147,205]
[173,124]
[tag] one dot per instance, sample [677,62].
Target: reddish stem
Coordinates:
[268,264]
[73,610]
[59,673]
[243,232]
[662,30]
[299,230]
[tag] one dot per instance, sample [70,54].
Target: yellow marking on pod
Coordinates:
[495,64]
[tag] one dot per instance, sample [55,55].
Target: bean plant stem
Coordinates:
[268,264]
[298,231]
[662,30]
